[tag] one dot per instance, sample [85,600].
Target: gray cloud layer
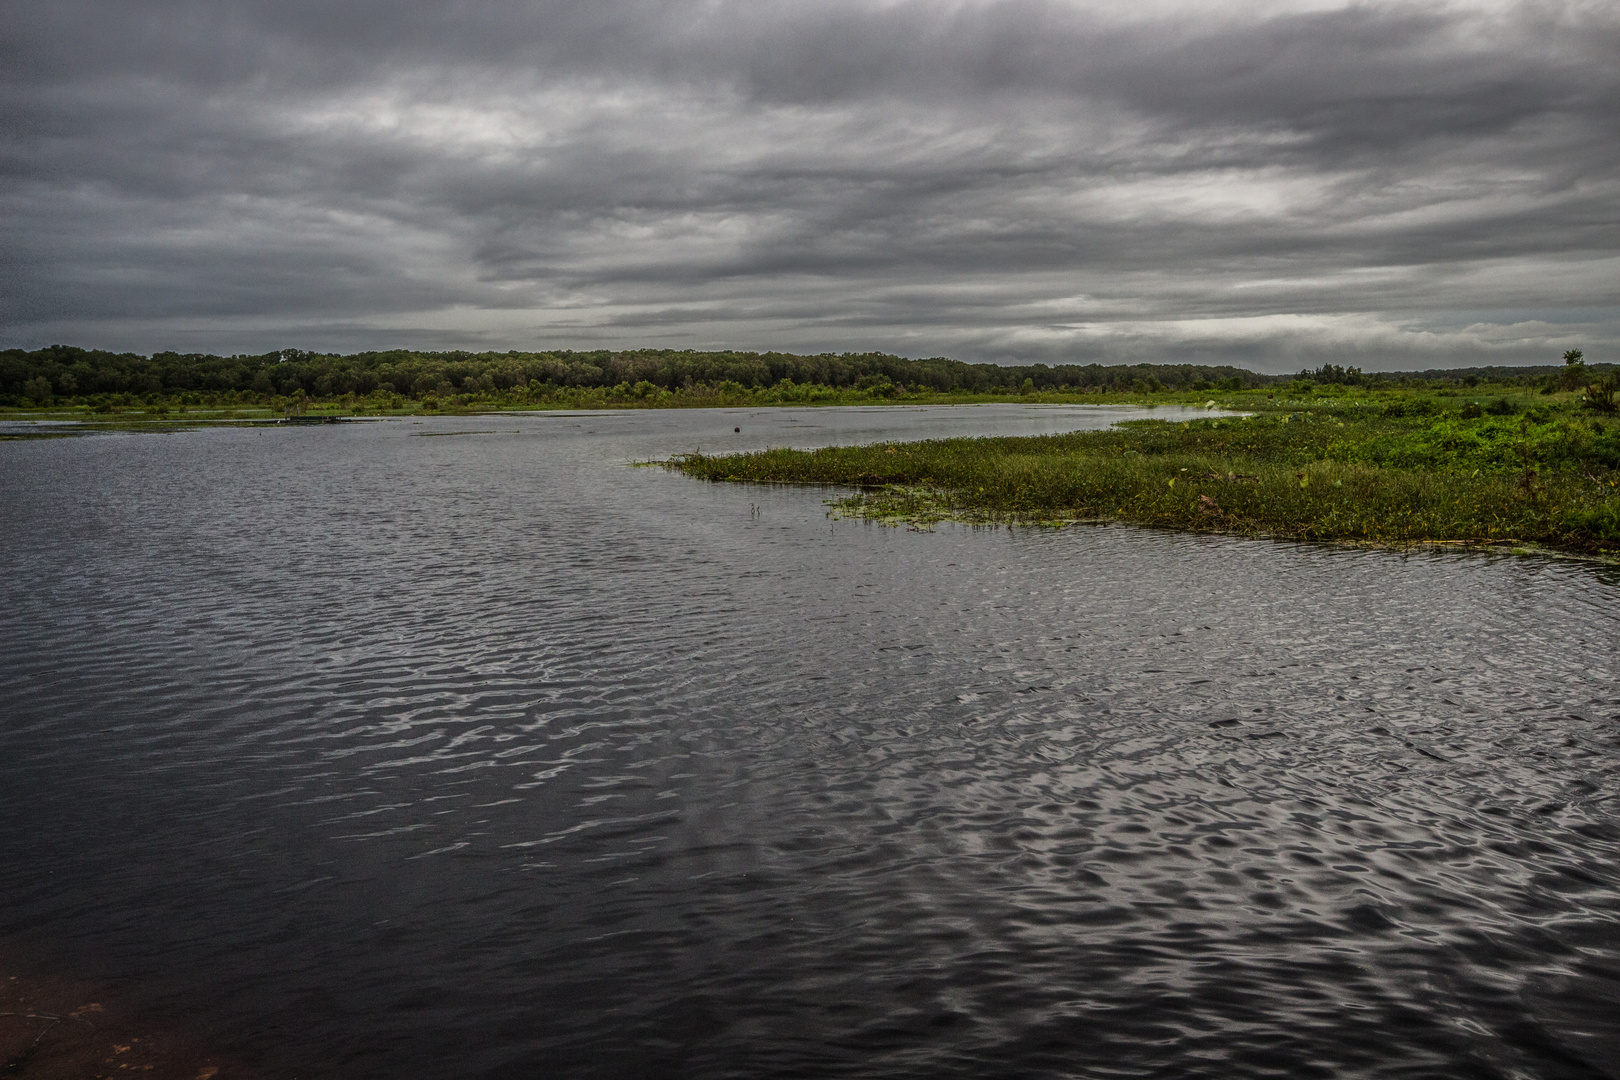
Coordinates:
[1273,184]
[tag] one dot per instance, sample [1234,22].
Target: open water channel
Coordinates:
[459,748]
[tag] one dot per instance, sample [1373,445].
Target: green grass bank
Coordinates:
[1387,468]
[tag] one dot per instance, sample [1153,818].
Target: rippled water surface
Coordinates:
[485,755]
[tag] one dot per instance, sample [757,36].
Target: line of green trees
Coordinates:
[64,374]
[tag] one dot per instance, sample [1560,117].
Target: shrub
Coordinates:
[1413,407]
[1600,396]
[1599,523]
[1605,448]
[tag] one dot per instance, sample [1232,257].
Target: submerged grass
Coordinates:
[1395,470]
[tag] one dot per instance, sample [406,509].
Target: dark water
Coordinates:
[483,755]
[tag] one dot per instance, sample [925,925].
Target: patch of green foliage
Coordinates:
[62,375]
[406,381]
[1366,469]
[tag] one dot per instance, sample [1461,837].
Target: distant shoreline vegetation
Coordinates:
[402,381]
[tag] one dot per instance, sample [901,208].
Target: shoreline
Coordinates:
[1480,546]
[84,417]
[57,1027]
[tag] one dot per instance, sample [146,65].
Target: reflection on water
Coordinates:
[486,755]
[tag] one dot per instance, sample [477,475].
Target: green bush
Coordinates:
[1599,396]
[1416,406]
[1599,524]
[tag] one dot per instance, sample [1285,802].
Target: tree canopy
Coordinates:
[66,372]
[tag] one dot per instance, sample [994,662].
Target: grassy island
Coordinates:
[1314,462]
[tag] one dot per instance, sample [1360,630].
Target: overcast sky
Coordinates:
[1274,184]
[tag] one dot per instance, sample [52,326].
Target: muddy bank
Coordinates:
[54,1028]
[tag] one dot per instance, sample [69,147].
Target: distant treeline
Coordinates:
[65,373]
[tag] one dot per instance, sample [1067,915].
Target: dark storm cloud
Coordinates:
[1272,184]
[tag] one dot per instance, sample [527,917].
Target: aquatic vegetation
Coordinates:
[1400,472]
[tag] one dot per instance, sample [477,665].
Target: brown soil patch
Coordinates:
[59,1029]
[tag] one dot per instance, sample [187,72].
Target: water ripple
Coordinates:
[492,757]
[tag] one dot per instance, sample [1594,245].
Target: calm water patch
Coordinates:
[375,755]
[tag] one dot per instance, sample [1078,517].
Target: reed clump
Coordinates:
[1403,471]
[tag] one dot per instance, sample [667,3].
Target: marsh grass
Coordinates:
[1361,473]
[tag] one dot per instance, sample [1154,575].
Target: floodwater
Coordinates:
[365,754]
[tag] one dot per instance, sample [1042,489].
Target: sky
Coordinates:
[1270,184]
